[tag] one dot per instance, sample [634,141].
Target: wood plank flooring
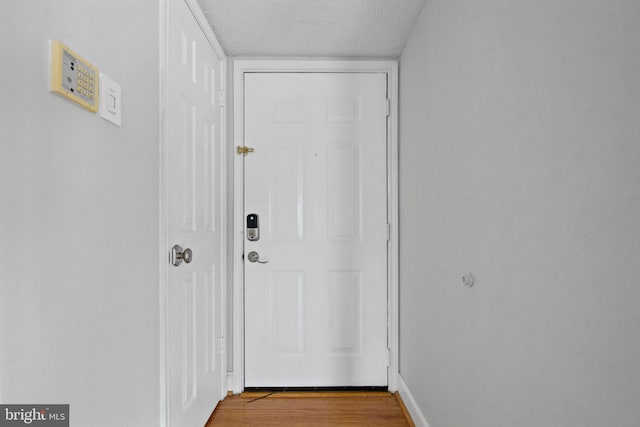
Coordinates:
[327,409]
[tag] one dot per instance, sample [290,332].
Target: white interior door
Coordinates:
[316,312]
[194,173]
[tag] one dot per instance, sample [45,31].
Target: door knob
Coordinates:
[178,255]
[254,256]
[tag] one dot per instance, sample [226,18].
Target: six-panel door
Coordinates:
[316,313]
[194,173]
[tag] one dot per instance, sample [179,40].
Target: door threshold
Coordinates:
[311,389]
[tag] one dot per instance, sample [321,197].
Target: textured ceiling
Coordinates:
[329,28]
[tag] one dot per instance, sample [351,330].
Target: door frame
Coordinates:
[389,67]
[163,168]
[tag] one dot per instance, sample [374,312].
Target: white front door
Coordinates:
[316,312]
[194,195]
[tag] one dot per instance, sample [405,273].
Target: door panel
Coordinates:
[316,313]
[194,195]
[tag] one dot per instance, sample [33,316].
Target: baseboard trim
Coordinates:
[405,411]
[410,403]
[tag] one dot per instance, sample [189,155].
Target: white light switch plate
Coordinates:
[110,100]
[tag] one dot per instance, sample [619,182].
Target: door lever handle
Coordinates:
[254,256]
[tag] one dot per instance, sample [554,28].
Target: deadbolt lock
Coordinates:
[253,229]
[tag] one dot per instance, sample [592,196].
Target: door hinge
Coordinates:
[388,357]
[222,98]
[222,348]
[244,150]
[388,232]
[388,107]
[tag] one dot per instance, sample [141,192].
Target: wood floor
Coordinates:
[325,409]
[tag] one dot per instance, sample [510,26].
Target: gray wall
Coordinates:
[79,216]
[520,163]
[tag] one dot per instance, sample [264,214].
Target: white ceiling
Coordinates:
[328,28]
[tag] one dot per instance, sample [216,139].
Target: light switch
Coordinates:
[111,104]
[110,100]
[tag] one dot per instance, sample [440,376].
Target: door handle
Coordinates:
[178,255]
[254,256]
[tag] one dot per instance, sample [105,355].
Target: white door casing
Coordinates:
[242,67]
[316,314]
[192,215]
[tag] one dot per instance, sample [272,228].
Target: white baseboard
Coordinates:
[410,402]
